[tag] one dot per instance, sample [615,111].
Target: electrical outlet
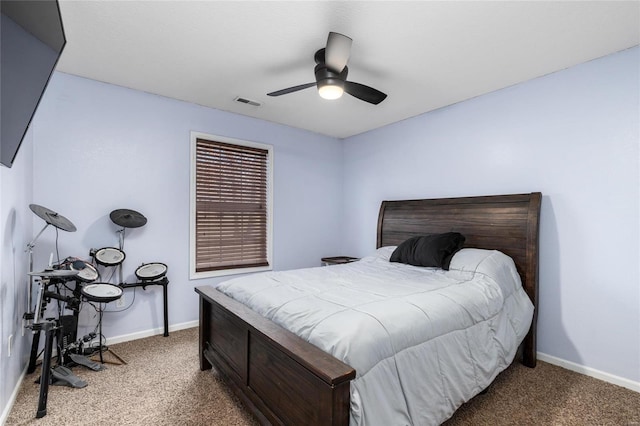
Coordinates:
[9,344]
[120,302]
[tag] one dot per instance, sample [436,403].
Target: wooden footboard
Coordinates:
[280,377]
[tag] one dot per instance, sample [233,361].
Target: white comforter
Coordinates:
[422,340]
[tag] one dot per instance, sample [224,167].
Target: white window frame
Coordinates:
[192,211]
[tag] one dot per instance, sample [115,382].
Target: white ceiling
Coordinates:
[424,54]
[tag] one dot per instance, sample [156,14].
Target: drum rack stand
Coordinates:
[163,282]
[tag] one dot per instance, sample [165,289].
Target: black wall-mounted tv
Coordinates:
[31,42]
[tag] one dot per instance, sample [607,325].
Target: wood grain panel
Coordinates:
[293,393]
[230,340]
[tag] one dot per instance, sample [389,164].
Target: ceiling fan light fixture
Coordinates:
[330,91]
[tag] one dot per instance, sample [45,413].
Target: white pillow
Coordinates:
[383,253]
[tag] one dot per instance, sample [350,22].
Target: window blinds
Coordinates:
[231,206]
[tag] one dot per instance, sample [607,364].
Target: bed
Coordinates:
[284,379]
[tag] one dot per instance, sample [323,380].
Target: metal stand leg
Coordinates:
[100,334]
[166,308]
[41,306]
[100,351]
[163,282]
[35,343]
[45,375]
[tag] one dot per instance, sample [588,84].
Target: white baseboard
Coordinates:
[149,333]
[591,372]
[12,399]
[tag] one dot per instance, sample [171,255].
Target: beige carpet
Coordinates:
[162,385]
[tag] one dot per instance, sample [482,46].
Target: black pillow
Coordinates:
[429,250]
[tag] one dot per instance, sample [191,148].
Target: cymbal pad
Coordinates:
[128,218]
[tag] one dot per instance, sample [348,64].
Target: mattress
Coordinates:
[422,340]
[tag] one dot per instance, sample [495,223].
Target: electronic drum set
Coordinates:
[54,284]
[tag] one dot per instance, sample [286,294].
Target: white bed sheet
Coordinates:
[422,340]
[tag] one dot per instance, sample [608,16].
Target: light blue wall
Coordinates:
[98,147]
[16,231]
[574,136]
[102,147]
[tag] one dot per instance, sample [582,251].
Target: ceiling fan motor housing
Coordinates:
[326,77]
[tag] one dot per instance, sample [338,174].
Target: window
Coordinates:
[230,206]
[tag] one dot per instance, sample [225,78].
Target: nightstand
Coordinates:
[338,260]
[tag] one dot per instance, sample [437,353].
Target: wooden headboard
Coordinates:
[508,223]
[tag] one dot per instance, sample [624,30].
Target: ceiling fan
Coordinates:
[331,74]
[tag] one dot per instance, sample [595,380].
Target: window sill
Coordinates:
[226,272]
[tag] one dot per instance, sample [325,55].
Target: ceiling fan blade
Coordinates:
[337,51]
[291,89]
[365,93]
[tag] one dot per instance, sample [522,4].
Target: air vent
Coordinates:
[247,101]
